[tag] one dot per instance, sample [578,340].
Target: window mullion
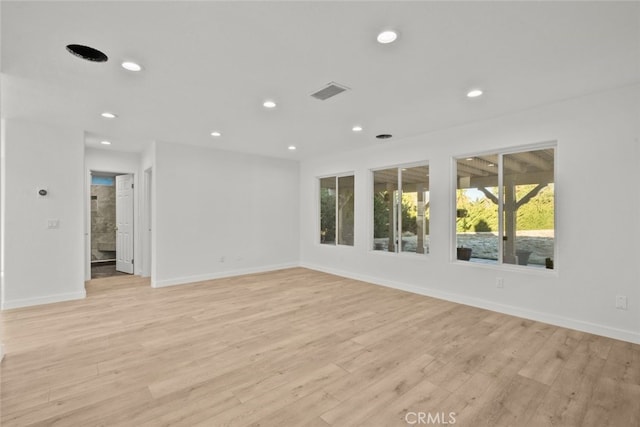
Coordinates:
[500,209]
[337,221]
[399,210]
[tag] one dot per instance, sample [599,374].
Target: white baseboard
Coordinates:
[565,322]
[219,275]
[27,302]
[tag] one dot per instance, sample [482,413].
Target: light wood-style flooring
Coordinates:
[302,348]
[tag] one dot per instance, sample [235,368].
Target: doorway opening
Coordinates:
[111,228]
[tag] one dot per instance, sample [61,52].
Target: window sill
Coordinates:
[399,254]
[328,245]
[537,271]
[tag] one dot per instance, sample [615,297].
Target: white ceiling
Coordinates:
[210,65]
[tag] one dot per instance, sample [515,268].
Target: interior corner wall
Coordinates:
[219,213]
[147,164]
[117,162]
[42,264]
[2,205]
[597,211]
[148,157]
[2,163]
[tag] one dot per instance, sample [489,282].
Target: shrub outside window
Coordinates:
[337,210]
[505,208]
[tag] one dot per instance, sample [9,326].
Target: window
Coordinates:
[505,208]
[337,210]
[102,180]
[401,209]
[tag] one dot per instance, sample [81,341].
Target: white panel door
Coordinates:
[124,223]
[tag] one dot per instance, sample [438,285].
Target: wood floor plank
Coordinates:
[613,404]
[570,395]
[394,383]
[379,366]
[300,347]
[303,412]
[264,405]
[97,412]
[547,363]
[511,405]
[423,397]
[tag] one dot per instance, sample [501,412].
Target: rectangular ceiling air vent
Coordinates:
[332,89]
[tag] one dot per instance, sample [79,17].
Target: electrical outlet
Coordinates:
[500,282]
[621,302]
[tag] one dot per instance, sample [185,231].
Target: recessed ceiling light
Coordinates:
[357,128]
[469,159]
[269,104]
[216,133]
[387,37]
[491,165]
[474,93]
[105,142]
[292,147]
[131,66]
[86,52]
[108,115]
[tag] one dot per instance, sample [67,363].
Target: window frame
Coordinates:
[318,223]
[500,153]
[371,193]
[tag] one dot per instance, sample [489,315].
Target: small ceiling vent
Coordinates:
[332,89]
[87,52]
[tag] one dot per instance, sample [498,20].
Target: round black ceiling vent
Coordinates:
[86,52]
[383,136]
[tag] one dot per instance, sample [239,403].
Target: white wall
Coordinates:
[98,160]
[148,160]
[42,265]
[112,161]
[148,157]
[220,213]
[3,192]
[597,208]
[2,163]
[2,203]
